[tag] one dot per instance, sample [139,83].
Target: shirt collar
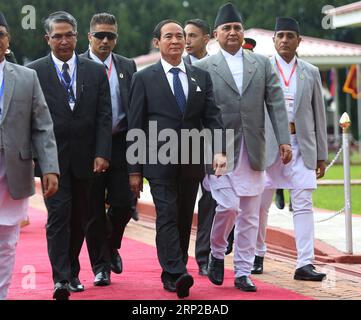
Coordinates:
[59,63]
[227,55]
[282,61]
[96,59]
[167,66]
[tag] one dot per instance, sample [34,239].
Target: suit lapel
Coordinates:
[9,85]
[80,70]
[192,86]
[120,70]
[249,70]
[220,66]
[300,83]
[164,86]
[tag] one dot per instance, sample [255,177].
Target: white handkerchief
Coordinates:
[198,89]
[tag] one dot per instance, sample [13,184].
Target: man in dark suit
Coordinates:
[197,37]
[77,93]
[115,181]
[173,96]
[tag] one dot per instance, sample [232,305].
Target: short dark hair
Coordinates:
[57,17]
[103,18]
[201,24]
[160,25]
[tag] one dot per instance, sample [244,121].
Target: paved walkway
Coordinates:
[330,231]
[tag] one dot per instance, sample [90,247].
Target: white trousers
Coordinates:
[242,213]
[302,220]
[9,236]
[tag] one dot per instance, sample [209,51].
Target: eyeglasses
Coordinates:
[59,37]
[101,35]
[3,34]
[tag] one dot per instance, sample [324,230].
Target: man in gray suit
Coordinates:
[24,121]
[301,84]
[243,82]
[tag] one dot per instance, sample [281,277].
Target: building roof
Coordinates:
[323,53]
[346,16]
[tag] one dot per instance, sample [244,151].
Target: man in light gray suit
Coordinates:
[243,82]
[301,84]
[24,121]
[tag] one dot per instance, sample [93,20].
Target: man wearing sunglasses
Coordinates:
[78,96]
[114,183]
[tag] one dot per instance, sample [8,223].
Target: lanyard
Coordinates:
[287,82]
[67,87]
[110,69]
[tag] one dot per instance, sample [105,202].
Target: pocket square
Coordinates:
[198,89]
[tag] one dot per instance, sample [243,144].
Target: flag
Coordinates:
[350,85]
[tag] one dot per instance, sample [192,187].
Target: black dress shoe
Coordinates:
[215,270]
[308,273]
[61,291]
[257,265]
[169,285]
[116,264]
[230,240]
[75,285]
[102,279]
[183,284]
[245,284]
[280,199]
[134,214]
[203,270]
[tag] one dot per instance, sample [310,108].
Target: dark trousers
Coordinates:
[105,231]
[174,201]
[67,213]
[206,210]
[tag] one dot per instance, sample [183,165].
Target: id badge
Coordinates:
[290,101]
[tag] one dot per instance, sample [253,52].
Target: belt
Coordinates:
[292,127]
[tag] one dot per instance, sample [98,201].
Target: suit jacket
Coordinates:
[245,112]
[187,59]
[84,133]
[310,117]
[125,68]
[26,121]
[151,99]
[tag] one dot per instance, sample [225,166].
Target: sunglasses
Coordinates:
[101,35]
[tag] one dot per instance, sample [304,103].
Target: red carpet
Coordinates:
[140,279]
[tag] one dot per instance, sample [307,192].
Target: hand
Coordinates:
[100,165]
[285,153]
[50,185]
[321,168]
[136,183]
[219,164]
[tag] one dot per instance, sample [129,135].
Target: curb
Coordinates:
[279,241]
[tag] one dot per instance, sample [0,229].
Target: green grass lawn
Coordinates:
[332,197]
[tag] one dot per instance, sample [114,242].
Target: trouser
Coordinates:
[68,212]
[206,210]
[9,236]
[174,201]
[242,213]
[303,224]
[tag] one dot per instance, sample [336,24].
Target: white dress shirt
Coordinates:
[290,91]
[117,112]
[71,63]
[182,75]
[235,64]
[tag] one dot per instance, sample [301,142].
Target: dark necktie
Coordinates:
[178,89]
[66,76]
